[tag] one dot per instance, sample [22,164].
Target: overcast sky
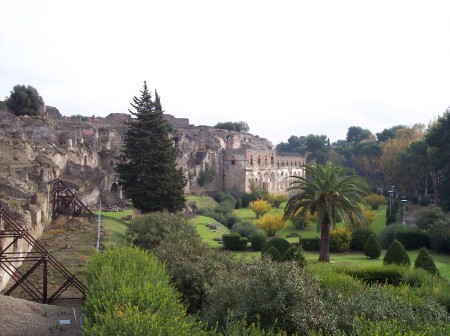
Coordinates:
[285,67]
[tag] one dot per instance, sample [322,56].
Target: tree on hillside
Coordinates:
[240,126]
[147,167]
[331,191]
[438,138]
[356,134]
[24,100]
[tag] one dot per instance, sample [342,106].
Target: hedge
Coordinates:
[310,244]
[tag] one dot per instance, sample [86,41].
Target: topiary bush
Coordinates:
[376,274]
[359,238]
[258,241]
[310,244]
[372,248]
[340,239]
[272,253]
[396,255]
[280,244]
[426,262]
[413,239]
[234,242]
[391,218]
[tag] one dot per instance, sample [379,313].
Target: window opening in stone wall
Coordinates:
[272,160]
[259,160]
[251,160]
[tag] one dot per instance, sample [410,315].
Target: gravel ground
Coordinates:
[20,317]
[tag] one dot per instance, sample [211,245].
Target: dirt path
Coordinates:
[20,317]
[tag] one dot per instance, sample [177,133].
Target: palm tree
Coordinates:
[330,191]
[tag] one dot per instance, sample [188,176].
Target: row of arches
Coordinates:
[272,181]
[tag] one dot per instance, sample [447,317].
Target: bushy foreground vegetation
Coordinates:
[283,297]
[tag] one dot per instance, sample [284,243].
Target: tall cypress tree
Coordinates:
[147,167]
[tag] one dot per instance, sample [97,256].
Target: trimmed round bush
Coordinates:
[413,239]
[426,262]
[396,255]
[273,254]
[258,240]
[372,248]
[281,245]
[359,238]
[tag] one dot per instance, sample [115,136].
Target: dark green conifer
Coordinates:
[372,248]
[426,262]
[397,255]
[147,167]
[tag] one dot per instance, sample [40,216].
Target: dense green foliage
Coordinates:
[258,241]
[372,248]
[396,255]
[150,229]
[387,235]
[222,212]
[234,242]
[426,262]
[24,100]
[314,147]
[280,244]
[206,175]
[310,244]
[133,298]
[359,238]
[413,239]
[331,191]
[147,169]
[240,126]
[340,239]
[246,229]
[438,138]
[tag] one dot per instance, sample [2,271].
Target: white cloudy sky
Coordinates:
[285,67]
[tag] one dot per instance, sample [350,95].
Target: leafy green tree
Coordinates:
[240,126]
[330,191]
[388,133]
[438,138]
[24,100]
[147,167]
[357,134]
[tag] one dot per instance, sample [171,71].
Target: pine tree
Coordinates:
[372,248]
[426,262]
[147,167]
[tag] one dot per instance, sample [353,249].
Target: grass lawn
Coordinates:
[205,232]
[115,228]
[201,201]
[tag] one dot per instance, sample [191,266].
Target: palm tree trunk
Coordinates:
[325,240]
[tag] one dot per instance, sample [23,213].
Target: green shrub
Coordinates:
[391,218]
[222,196]
[387,235]
[150,229]
[310,244]
[273,253]
[427,217]
[376,274]
[426,262]
[424,201]
[280,244]
[372,248]
[340,239]
[193,267]
[258,241]
[440,236]
[413,239]
[359,238]
[247,198]
[132,298]
[206,175]
[295,254]
[234,242]
[397,255]
[246,229]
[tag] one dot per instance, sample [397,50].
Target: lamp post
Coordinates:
[391,198]
[404,211]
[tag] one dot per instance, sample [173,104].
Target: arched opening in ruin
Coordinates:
[114,187]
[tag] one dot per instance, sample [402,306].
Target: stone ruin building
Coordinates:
[82,152]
